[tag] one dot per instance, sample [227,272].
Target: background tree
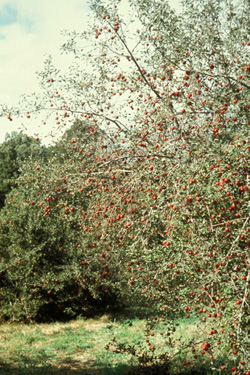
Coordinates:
[14,151]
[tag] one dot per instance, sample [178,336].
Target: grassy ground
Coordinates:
[78,347]
[60,348]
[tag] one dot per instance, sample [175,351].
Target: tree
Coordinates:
[43,255]
[169,182]
[16,149]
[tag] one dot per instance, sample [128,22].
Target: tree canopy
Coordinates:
[14,151]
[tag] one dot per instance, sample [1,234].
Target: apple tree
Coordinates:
[169,181]
[45,248]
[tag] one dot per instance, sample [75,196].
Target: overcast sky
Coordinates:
[29,31]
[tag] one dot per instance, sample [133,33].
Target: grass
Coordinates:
[78,347]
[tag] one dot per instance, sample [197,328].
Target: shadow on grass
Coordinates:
[125,313]
[165,369]
[73,368]
[91,368]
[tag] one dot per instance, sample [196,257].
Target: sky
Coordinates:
[30,30]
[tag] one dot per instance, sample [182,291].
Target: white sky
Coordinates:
[29,31]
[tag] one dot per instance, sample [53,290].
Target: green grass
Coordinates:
[79,347]
[61,348]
